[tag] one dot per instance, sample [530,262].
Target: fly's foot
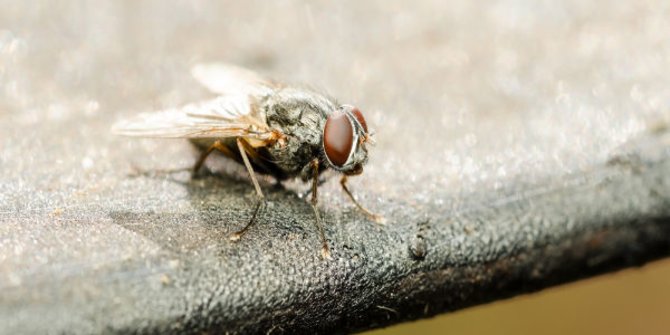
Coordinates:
[238,234]
[203,173]
[325,253]
[377,218]
[137,172]
[372,216]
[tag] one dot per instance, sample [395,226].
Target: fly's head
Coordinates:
[345,136]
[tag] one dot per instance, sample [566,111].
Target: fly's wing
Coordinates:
[233,114]
[227,79]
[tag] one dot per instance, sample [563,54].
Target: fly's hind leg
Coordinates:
[217,145]
[261,198]
[139,172]
[374,217]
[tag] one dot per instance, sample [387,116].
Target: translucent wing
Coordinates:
[233,114]
[226,116]
[227,79]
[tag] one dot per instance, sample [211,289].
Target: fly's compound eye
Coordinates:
[359,117]
[338,137]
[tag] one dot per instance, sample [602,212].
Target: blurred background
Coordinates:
[490,91]
[634,301]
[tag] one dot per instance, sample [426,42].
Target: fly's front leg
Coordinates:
[325,251]
[308,192]
[261,198]
[374,217]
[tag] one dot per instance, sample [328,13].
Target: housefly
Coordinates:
[270,127]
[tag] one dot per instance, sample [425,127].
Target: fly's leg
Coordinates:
[261,198]
[138,172]
[216,146]
[258,160]
[374,217]
[308,192]
[325,251]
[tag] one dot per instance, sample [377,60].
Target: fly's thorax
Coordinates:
[291,108]
[300,115]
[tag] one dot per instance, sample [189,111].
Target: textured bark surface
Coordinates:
[519,146]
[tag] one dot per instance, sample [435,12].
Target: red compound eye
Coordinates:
[338,137]
[359,116]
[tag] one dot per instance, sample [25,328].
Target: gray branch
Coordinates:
[180,273]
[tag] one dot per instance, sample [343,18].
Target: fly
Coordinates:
[269,127]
